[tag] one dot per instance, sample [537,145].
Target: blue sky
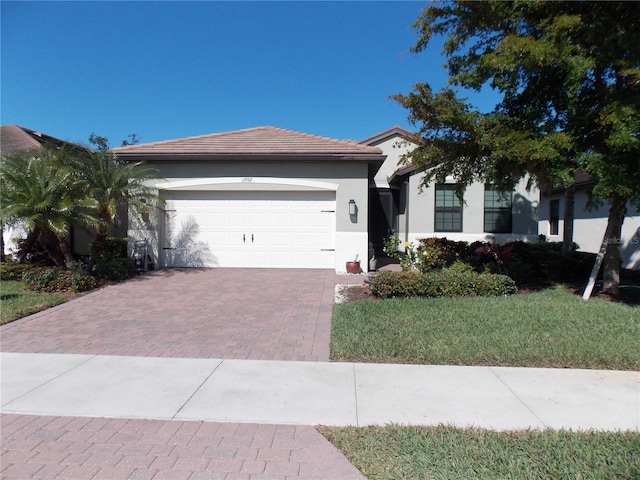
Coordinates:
[168,70]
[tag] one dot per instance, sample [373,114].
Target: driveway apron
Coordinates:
[256,314]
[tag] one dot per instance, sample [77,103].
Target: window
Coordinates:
[554,217]
[448,209]
[497,211]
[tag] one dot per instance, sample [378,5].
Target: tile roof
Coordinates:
[250,143]
[14,139]
[395,131]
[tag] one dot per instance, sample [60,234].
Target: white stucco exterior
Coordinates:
[346,181]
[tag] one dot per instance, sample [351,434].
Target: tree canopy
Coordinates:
[569,78]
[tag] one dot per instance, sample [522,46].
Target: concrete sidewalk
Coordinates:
[310,393]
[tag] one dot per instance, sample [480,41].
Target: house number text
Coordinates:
[247,179]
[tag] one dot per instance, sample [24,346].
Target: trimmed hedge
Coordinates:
[453,282]
[58,280]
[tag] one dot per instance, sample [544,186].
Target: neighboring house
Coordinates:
[400,207]
[589,224]
[258,197]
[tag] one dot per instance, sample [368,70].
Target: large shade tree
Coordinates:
[569,78]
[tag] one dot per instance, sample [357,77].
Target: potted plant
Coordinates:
[353,266]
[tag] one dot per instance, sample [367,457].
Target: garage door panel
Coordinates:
[323,241]
[289,229]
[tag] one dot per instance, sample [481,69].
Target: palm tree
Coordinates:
[112,184]
[47,197]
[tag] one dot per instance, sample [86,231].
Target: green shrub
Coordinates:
[459,281]
[12,271]
[58,280]
[115,247]
[113,263]
[115,269]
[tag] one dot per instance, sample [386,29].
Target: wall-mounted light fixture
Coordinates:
[353,208]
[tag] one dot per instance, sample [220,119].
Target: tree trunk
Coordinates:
[611,273]
[2,257]
[97,247]
[567,230]
[63,243]
[52,245]
[27,245]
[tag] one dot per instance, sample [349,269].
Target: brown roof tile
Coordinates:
[251,143]
[393,131]
[14,139]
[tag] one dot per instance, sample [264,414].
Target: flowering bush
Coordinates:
[502,255]
[426,254]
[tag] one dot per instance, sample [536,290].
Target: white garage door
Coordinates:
[250,229]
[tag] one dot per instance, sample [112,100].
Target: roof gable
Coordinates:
[15,139]
[258,142]
[395,131]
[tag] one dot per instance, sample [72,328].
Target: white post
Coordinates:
[596,267]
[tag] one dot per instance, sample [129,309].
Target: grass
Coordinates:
[396,452]
[550,328]
[17,302]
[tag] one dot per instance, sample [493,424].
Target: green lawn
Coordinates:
[550,328]
[16,302]
[395,452]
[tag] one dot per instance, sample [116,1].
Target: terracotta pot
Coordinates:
[353,267]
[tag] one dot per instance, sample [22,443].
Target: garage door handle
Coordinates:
[252,238]
[244,238]
[327,249]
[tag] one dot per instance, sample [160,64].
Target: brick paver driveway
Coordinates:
[282,314]
[208,313]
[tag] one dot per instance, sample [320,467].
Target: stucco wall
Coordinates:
[394,148]
[348,180]
[589,227]
[422,214]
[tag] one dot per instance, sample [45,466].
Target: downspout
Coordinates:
[406,214]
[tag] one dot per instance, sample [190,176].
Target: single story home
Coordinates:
[271,197]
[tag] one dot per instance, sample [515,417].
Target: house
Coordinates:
[14,140]
[589,223]
[270,197]
[258,197]
[402,208]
